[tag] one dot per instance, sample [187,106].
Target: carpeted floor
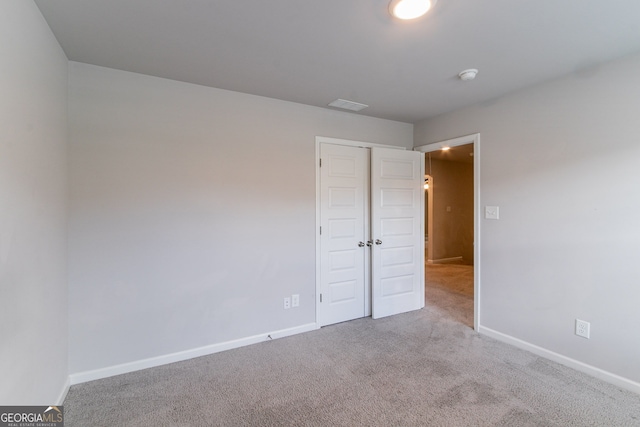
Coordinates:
[453,277]
[449,287]
[424,368]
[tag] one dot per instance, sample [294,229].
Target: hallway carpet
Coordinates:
[449,287]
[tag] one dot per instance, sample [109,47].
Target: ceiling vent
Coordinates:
[348,105]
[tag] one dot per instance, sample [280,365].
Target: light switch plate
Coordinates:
[492,212]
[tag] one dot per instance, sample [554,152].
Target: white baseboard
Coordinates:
[137,365]
[444,260]
[63,392]
[609,377]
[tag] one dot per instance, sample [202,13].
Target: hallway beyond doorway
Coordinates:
[449,287]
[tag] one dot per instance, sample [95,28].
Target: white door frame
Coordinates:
[351,143]
[463,140]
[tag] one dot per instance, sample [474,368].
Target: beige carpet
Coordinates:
[456,278]
[449,287]
[424,368]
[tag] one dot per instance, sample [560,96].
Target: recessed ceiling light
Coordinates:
[410,9]
[446,148]
[348,105]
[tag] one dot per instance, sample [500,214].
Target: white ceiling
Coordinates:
[313,52]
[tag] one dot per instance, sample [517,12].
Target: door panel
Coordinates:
[344,194]
[397,207]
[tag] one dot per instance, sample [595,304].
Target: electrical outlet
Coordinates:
[295,300]
[583,329]
[287,303]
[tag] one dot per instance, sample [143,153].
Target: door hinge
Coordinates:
[320,162]
[320,297]
[321,230]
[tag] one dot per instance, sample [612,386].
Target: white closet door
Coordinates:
[344,193]
[397,209]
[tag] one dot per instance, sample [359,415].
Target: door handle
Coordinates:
[369,243]
[378,242]
[360,244]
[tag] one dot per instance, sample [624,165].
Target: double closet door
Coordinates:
[371,232]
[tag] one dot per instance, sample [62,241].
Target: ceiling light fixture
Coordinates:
[467,75]
[410,9]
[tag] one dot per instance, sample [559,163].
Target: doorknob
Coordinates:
[378,242]
[360,244]
[369,243]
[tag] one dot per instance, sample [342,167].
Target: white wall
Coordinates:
[33,202]
[192,213]
[562,161]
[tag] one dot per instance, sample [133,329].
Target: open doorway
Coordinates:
[449,237]
[451,227]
